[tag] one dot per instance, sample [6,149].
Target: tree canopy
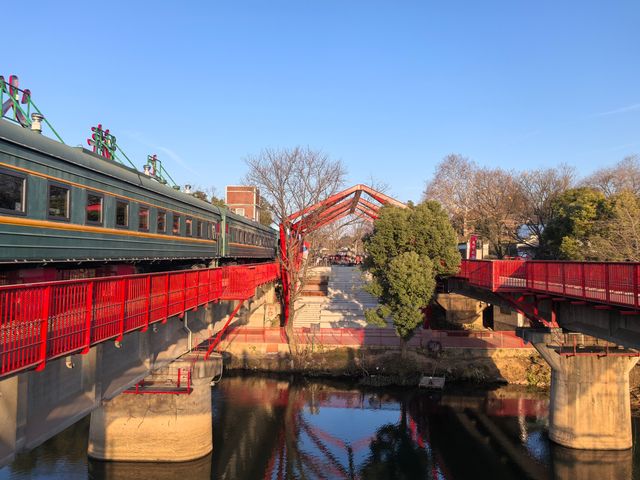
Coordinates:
[406,250]
[588,225]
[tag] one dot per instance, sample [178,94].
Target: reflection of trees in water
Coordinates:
[394,454]
[261,431]
[394,450]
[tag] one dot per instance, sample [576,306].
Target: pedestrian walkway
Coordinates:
[344,305]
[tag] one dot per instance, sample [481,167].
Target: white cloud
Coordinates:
[628,108]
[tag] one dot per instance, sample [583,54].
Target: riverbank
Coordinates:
[381,366]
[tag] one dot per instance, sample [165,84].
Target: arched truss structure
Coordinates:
[360,200]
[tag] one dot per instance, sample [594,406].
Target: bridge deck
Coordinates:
[43,321]
[608,283]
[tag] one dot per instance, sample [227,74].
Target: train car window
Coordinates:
[200,229]
[58,202]
[162,221]
[188,226]
[122,214]
[143,218]
[94,208]
[12,192]
[176,224]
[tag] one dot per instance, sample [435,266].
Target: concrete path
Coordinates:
[343,307]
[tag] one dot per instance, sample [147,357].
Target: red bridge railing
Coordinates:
[42,321]
[615,283]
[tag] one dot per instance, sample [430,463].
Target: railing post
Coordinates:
[88,318]
[123,309]
[546,276]
[606,282]
[564,278]
[184,292]
[583,280]
[147,305]
[166,298]
[44,327]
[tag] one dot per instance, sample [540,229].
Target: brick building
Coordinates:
[243,200]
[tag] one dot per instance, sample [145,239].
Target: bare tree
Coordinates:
[452,187]
[539,191]
[624,176]
[496,203]
[292,180]
[207,194]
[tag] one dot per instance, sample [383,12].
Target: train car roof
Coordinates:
[249,222]
[79,156]
[87,159]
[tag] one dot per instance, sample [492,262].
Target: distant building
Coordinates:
[243,200]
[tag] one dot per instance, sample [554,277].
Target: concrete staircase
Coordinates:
[343,307]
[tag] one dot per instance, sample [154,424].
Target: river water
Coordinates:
[286,428]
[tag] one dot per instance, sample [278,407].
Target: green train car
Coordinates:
[62,205]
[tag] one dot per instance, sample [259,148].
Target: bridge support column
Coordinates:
[162,422]
[461,310]
[590,406]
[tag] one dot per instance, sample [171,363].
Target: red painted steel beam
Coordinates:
[378,196]
[334,218]
[218,338]
[332,200]
[367,204]
[328,217]
[310,221]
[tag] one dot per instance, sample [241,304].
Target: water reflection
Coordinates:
[569,463]
[195,470]
[325,430]
[285,429]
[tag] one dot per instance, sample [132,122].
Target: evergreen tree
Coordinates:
[407,249]
[580,215]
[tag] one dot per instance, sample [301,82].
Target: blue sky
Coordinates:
[388,87]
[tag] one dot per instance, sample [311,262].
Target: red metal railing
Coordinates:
[614,283]
[180,386]
[42,321]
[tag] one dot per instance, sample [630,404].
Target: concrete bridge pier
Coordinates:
[163,421]
[461,310]
[589,406]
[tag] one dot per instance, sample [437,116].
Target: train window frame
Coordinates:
[188,226]
[59,218]
[142,208]
[158,215]
[86,205]
[11,173]
[200,229]
[174,217]
[127,213]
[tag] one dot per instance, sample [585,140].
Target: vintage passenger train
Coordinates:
[67,212]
